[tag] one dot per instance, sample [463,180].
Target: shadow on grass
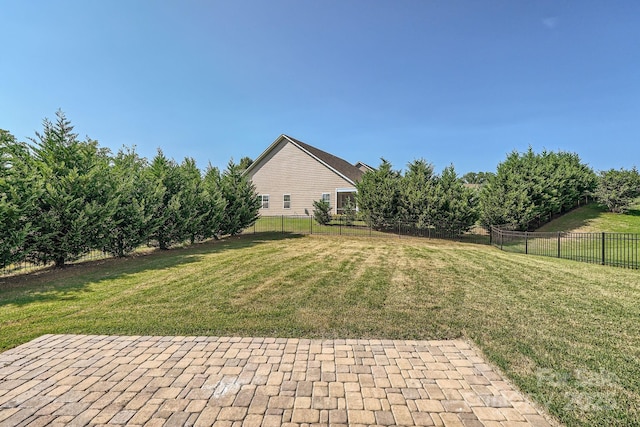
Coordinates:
[633,212]
[64,283]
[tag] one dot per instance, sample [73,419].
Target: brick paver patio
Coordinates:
[203,381]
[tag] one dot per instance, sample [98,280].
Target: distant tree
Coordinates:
[18,191]
[245,162]
[322,212]
[476,177]
[379,196]
[242,201]
[617,190]
[69,215]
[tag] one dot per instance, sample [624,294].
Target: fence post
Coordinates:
[603,251]
[310,225]
[340,225]
[526,243]
[490,235]
[501,239]
[282,223]
[558,244]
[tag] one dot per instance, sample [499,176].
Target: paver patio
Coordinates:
[204,381]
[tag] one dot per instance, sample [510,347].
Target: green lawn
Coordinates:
[578,235]
[592,218]
[566,333]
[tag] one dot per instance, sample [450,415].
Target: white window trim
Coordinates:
[328,197]
[284,201]
[262,206]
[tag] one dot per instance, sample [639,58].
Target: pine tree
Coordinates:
[418,187]
[322,212]
[165,219]
[379,196]
[69,213]
[213,204]
[242,202]
[134,196]
[18,191]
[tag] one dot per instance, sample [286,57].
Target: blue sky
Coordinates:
[462,82]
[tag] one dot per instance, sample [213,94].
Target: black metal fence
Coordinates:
[613,249]
[25,266]
[304,224]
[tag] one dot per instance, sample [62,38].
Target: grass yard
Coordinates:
[566,333]
[593,218]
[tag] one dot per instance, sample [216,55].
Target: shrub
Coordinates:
[322,212]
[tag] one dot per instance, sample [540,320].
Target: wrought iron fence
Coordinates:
[25,266]
[613,249]
[303,224]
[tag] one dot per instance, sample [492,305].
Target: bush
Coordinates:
[618,189]
[322,212]
[349,212]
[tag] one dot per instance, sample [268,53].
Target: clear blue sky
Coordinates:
[462,82]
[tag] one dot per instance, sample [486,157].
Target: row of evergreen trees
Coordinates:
[529,188]
[420,197]
[61,198]
[526,190]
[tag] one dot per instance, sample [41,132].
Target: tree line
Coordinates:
[419,196]
[529,188]
[61,197]
[526,190]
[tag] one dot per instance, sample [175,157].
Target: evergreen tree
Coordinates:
[349,211]
[455,209]
[134,196]
[529,188]
[18,191]
[242,201]
[322,212]
[418,193]
[245,162]
[379,196]
[69,215]
[164,221]
[191,214]
[213,204]
[618,190]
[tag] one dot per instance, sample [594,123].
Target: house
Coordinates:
[290,175]
[364,167]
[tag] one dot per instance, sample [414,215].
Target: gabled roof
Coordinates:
[365,167]
[336,164]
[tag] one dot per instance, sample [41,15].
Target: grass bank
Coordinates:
[593,219]
[566,333]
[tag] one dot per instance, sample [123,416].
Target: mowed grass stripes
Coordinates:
[567,333]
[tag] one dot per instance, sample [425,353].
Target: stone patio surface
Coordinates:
[75,380]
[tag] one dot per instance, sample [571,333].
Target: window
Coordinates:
[287,201]
[326,197]
[264,199]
